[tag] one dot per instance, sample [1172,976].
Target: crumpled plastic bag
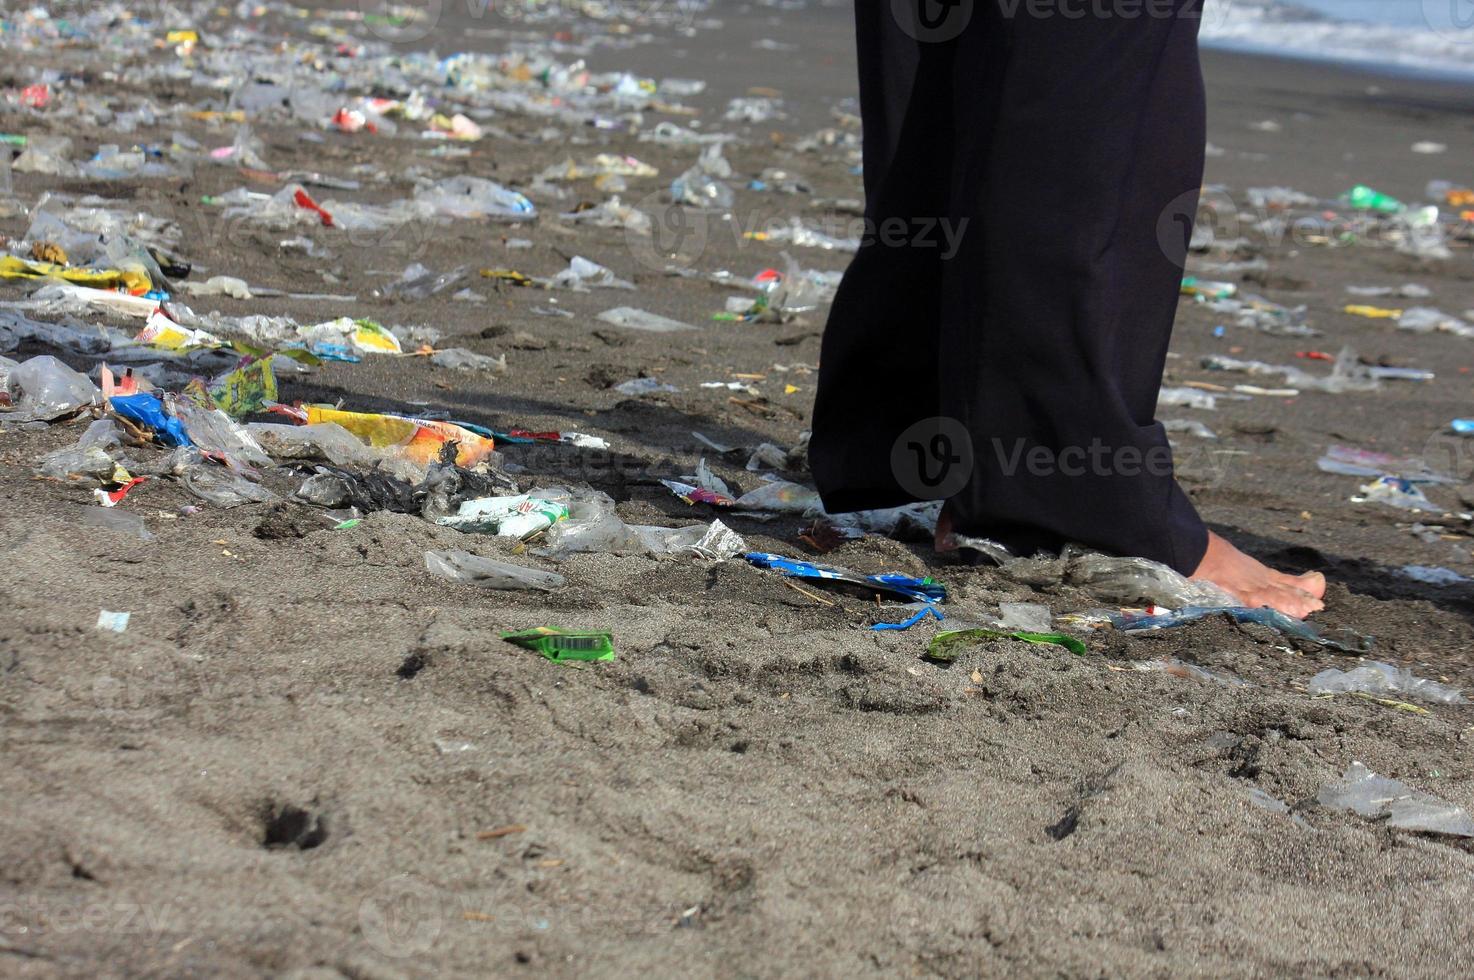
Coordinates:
[43,388]
[88,459]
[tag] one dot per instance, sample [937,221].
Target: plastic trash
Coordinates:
[1375,677]
[1345,640]
[460,359]
[419,441]
[1350,461]
[718,543]
[1395,491]
[88,459]
[223,488]
[780,496]
[1365,198]
[469,569]
[1178,668]
[633,319]
[1367,794]
[113,622]
[419,283]
[1190,427]
[637,387]
[700,189]
[43,388]
[1030,617]
[1138,580]
[1265,801]
[368,491]
[904,587]
[116,521]
[583,274]
[520,516]
[1186,398]
[563,646]
[1432,575]
[146,410]
[215,432]
[693,494]
[923,610]
[218,286]
[323,441]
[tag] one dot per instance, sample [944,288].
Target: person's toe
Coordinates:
[1312,582]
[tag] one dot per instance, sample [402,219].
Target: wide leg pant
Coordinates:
[1064,153]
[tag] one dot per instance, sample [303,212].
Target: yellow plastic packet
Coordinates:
[417,440]
[135,281]
[1373,312]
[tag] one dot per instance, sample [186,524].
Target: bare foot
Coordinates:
[1255,584]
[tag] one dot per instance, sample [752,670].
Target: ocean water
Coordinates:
[1421,35]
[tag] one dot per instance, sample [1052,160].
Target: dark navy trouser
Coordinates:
[1062,145]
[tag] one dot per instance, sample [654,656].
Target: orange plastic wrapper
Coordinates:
[417,440]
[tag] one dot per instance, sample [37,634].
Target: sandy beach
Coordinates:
[309,757]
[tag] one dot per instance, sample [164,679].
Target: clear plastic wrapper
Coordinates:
[460,359]
[1377,678]
[1367,794]
[780,496]
[213,431]
[633,319]
[221,487]
[117,522]
[486,573]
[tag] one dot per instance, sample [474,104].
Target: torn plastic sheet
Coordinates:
[1350,461]
[1344,640]
[1367,794]
[1375,677]
[465,568]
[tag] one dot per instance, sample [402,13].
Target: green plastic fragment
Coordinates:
[562,646]
[348,525]
[948,645]
[1364,198]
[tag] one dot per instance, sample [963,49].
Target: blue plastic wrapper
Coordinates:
[902,586]
[147,411]
[1347,641]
